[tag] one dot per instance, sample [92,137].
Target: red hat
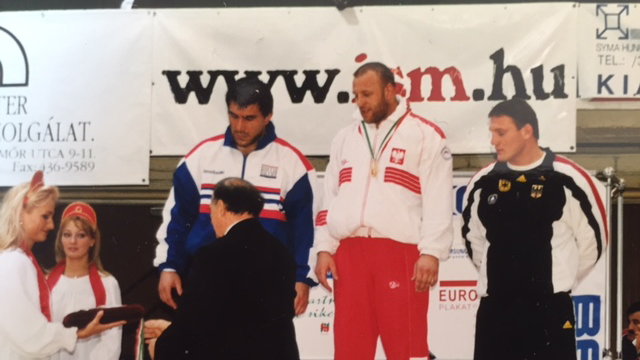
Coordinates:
[81,209]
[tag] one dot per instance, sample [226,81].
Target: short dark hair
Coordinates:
[381,69]
[633,308]
[520,111]
[239,196]
[248,91]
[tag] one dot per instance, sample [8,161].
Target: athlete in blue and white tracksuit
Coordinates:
[275,167]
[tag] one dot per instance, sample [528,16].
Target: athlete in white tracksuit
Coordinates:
[385,222]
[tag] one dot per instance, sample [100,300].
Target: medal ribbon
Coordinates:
[375,156]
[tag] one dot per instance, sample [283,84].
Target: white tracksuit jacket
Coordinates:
[410,198]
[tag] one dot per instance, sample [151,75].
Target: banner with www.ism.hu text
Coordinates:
[454,62]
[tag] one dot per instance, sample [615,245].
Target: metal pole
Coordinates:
[607,352]
[620,245]
[615,188]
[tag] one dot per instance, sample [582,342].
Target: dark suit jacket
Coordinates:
[628,349]
[238,301]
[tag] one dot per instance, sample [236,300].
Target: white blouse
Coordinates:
[25,333]
[73,294]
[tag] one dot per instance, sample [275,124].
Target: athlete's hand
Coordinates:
[155,327]
[425,272]
[169,280]
[302,298]
[325,265]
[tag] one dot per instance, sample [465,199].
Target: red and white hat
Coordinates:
[81,209]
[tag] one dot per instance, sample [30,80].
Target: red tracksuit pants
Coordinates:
[375,296]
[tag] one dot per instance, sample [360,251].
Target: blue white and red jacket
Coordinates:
[281,173]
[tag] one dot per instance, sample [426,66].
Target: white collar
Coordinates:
[528,166]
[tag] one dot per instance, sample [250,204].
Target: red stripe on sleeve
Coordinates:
[215,138]
[592,185]
[321,218]
[403,178]
[268,190]
[432,124]
[345,175]
[305,161]
[273,214]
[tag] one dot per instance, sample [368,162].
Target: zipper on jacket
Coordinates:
[244,164]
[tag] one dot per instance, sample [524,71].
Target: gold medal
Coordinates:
[374,168]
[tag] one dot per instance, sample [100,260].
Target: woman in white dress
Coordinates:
[26,329]
[78,282]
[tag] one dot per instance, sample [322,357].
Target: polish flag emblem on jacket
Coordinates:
[397,156]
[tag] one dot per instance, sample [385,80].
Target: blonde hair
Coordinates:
[91,231]
[14,204]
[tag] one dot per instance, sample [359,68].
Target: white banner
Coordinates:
[456,63]
[453,304]
[78,88]
[609,50]
[74,97]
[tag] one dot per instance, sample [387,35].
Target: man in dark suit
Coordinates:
[238,302]
[631,339]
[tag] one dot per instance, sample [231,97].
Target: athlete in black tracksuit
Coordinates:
[533,231]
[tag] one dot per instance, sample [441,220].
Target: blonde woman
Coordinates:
[78,282]
[26,330]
